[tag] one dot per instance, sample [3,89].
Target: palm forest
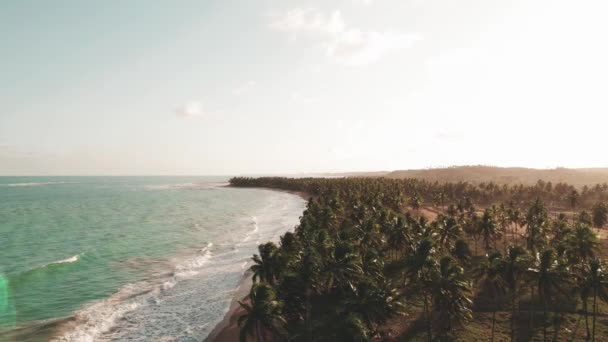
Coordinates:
[379,259]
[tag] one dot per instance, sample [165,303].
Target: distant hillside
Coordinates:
[509,175]
[355,174]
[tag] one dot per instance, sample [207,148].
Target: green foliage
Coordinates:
[592,282]
[461,252]
[488,228]
[450,293]
[266,263]
[537,222]
[262,314]
[359,258]
[600,214]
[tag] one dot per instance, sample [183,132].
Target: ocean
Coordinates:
[128,258]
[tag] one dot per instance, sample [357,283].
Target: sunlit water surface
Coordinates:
[127,258]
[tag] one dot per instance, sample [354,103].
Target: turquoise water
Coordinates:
[127,258]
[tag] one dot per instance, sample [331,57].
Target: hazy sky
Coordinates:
[233,87]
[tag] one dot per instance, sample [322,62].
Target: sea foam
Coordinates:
[101,317]
[184,186]
[34,184]
[69,260]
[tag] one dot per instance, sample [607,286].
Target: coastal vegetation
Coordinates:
[409,259]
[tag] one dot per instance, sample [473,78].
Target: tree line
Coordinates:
[559,195]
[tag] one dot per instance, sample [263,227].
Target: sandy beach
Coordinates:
[227,330]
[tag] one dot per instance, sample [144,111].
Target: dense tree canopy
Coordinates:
[369,249]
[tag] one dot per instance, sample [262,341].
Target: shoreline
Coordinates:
[227,330]
[304,195]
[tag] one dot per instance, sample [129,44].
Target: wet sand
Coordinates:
[227,330]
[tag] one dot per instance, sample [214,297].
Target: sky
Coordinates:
[272,87]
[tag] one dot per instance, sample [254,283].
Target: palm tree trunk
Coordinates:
[428,319]
[544,300]
[513,316]
[574,331]
[557,317]
[594,313]
[586,319]
[530,308]
[447,329]
[257,333]
[493,322]
[307,323]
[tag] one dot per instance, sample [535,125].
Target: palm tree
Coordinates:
[514,220]
[373,300]
[289,243]
[581,244]
[448,231]
[537,221]
[491,275]
[600,214]
[600,289]
[370,236]
[560,229]
[516,263]
[440,196]
[265,264]
[503,222]
[454,211]
[573,201]
[343,268]
[548,277]
[584,217]
[352,328]
[416,202]
[289,249]
[309,274]
[471,228]
[461,252]
[399,235]
[488,228]
[262,316]
[592,282]
[450,295]
[418,269]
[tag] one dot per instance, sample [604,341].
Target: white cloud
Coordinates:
[244,88]
[355,47]
[308,19]
[343,45]
[190,109]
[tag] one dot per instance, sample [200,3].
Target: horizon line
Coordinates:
[237,174]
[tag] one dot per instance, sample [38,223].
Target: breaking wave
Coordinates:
[35,184]
[186,186]
[254,222]
[69,260]
[101,317]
